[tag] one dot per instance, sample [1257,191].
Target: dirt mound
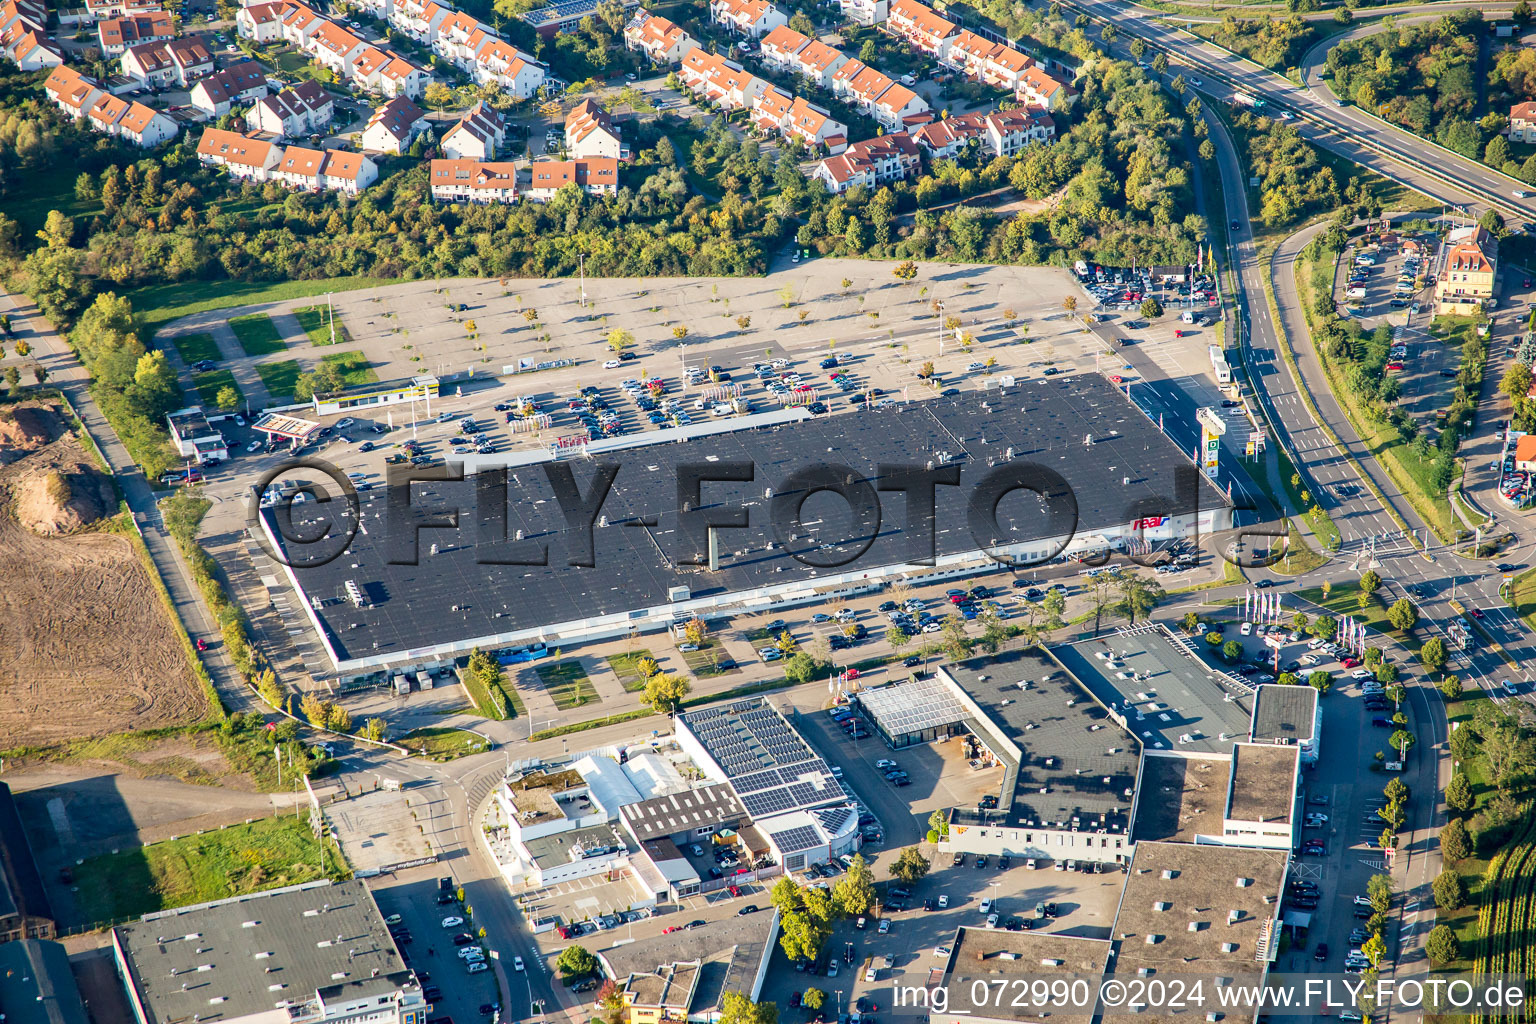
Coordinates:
[60,497]
[26,428]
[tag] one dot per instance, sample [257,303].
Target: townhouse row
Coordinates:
[467,44]
[86,101]
[867,89]
[895,157]
[23,37]
[992,63]
[256,160]
[352,59]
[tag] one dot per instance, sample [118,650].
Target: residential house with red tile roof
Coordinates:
[477,134]
[948,138]
[871,163]
[71,92]
[1009,131]
[779,45]
[420,19]
[817,63]
[996,64]
[594,177]
[325,169]
[590,132]
[473,181]
[262,23]
[300,24]
[303,109]
[920,26]
[506,66]
[229,87]
[95,10]
[117,34]
[241,155]
[896,105]
[386,73]
[454,32]
[393,127]
[751,18]
[793,117]
[149,64]
[660,40]
[140,124]
[1467,271]
[336,48]
[724,83]
[1040,89]
[29,48]
[1522,122]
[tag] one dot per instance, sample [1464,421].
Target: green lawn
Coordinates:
[443,744]
[353,366]
[279,378]
[317,324]
[211,383]
[225,862]
[567,684]
[197,347]
[258,337]
[624,666]
[157,305]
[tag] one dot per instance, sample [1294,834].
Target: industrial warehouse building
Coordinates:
[395,602]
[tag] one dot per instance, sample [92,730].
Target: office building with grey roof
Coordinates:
[1010,962]
[302,955]
[520,574]
[1288,715]
[729,955]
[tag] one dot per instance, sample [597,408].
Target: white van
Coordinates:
[1188,316]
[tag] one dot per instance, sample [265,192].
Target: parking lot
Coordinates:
[1084,906]
[429,948]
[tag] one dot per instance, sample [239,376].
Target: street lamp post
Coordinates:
[582,259]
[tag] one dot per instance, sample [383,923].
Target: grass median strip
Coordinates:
[194,348]
[353,367]
[567,684]
[279,378]
[317,322]
[211,383]
[444,743]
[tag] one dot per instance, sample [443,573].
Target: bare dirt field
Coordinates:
[86,648]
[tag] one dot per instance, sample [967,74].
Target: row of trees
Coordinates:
[807,913]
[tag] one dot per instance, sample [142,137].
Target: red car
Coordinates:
[669,930]
[1476,613]
[735,891]
[1349,662]
[202,644]
[1394,366]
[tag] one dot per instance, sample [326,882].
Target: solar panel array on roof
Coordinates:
[792,840]
[912,707]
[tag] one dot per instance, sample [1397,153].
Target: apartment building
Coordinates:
[1009,131]
[117,34]
[594,177]
[1039,89]
[660,40]
[996,64]
[241,155]
[235,85]
[388,74]
[262,23]
[24,38]
[473,181]
[590,133]
[420,20]
[921,27]
[865,12]
[293,112]
[751,18]
[506,66]
[871,163]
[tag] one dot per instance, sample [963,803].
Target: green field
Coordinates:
[624,666]
[442,743]
[157,305]
[225,862]
[317,324]
[1522,596]
[279,378]
[257,335]
[353,366]
[209,384]
[567,684]
[196,347]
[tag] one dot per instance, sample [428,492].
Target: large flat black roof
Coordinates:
[1115,462]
